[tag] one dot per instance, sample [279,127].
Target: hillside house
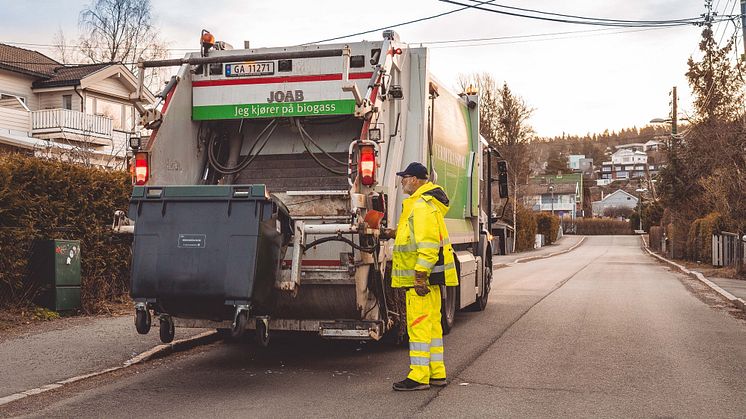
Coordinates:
[71,111]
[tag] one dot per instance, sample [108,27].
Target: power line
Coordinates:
[400,24]
[508,41]
[592,21]
[686,20]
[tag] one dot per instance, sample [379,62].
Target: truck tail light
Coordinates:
[367,165]
[142,171]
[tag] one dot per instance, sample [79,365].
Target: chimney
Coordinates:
[246,45]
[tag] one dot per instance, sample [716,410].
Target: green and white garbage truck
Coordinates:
[269,175]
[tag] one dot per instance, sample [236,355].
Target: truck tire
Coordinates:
[481,302]
[448,309]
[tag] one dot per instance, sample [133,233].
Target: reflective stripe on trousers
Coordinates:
[425,336]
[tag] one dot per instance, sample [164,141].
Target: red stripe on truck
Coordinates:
[285,79]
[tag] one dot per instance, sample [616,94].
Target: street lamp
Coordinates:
[551,189]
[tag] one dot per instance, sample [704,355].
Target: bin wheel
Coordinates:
[142,321]
[240,326]
[168,330]
[262,333]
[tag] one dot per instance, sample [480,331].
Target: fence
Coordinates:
[725,249]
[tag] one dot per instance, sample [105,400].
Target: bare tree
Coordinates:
[121,31]
[504,123]
[64,52]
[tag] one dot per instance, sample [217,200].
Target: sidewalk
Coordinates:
[565,244]
[72,348]
[733,290]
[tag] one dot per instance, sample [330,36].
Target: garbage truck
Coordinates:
[262,191]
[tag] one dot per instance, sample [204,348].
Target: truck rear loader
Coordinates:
[262,192]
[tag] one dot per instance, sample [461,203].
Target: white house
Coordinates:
[618,199]
[46,106]
[626,163]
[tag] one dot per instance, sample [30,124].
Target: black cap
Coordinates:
[414,169]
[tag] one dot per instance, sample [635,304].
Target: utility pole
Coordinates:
[674,111]
[743,27]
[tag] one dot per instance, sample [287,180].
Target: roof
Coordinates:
[69,75]
[558,189]
[571,178]
[617,192]
[25,61]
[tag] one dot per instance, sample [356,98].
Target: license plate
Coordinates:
[251,68]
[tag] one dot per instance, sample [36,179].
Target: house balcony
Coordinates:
[74,126]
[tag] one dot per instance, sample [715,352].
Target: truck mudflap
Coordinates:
[204,251]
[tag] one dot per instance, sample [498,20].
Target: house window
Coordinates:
[67,102]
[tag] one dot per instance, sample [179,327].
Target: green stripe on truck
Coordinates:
[273,110]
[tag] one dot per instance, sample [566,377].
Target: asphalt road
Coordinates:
[602,331]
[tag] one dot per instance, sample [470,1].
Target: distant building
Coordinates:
[561,194]
[626,163]
[615,200]
[573,161]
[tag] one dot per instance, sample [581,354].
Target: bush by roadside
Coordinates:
[525,229]
[699,239]
[42,199]
[548,225]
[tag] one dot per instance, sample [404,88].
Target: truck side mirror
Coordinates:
[502,178]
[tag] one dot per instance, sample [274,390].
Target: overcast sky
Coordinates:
[577,83]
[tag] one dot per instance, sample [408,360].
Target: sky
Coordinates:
[577,83]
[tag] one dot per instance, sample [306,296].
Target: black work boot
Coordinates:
[438,382]
[410,385]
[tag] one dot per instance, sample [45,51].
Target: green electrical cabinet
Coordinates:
[55,267]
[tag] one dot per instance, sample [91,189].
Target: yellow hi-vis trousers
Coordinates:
[425,336]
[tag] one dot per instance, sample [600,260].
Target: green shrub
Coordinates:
[676,235]
[601,226]
[699,239]
[42,199]
[548,225]
[525,229]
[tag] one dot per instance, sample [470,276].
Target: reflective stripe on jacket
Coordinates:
[422,242]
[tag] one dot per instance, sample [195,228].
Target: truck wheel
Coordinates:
[481,303]
[142,321]
[448,309]
[241,321]
[167,330]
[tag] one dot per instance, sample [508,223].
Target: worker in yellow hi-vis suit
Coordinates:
[422,262]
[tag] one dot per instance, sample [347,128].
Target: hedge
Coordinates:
[548,225]
[525,229]
[655,236]
[699,239]
[601,226]
[41,199]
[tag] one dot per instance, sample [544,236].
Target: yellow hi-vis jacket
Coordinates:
[422,242]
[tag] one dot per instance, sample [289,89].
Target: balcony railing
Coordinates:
[50,121]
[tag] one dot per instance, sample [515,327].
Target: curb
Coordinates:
[156,352]
[738,302]
[530,258]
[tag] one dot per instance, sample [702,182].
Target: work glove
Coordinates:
[388,233]
[420,283]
